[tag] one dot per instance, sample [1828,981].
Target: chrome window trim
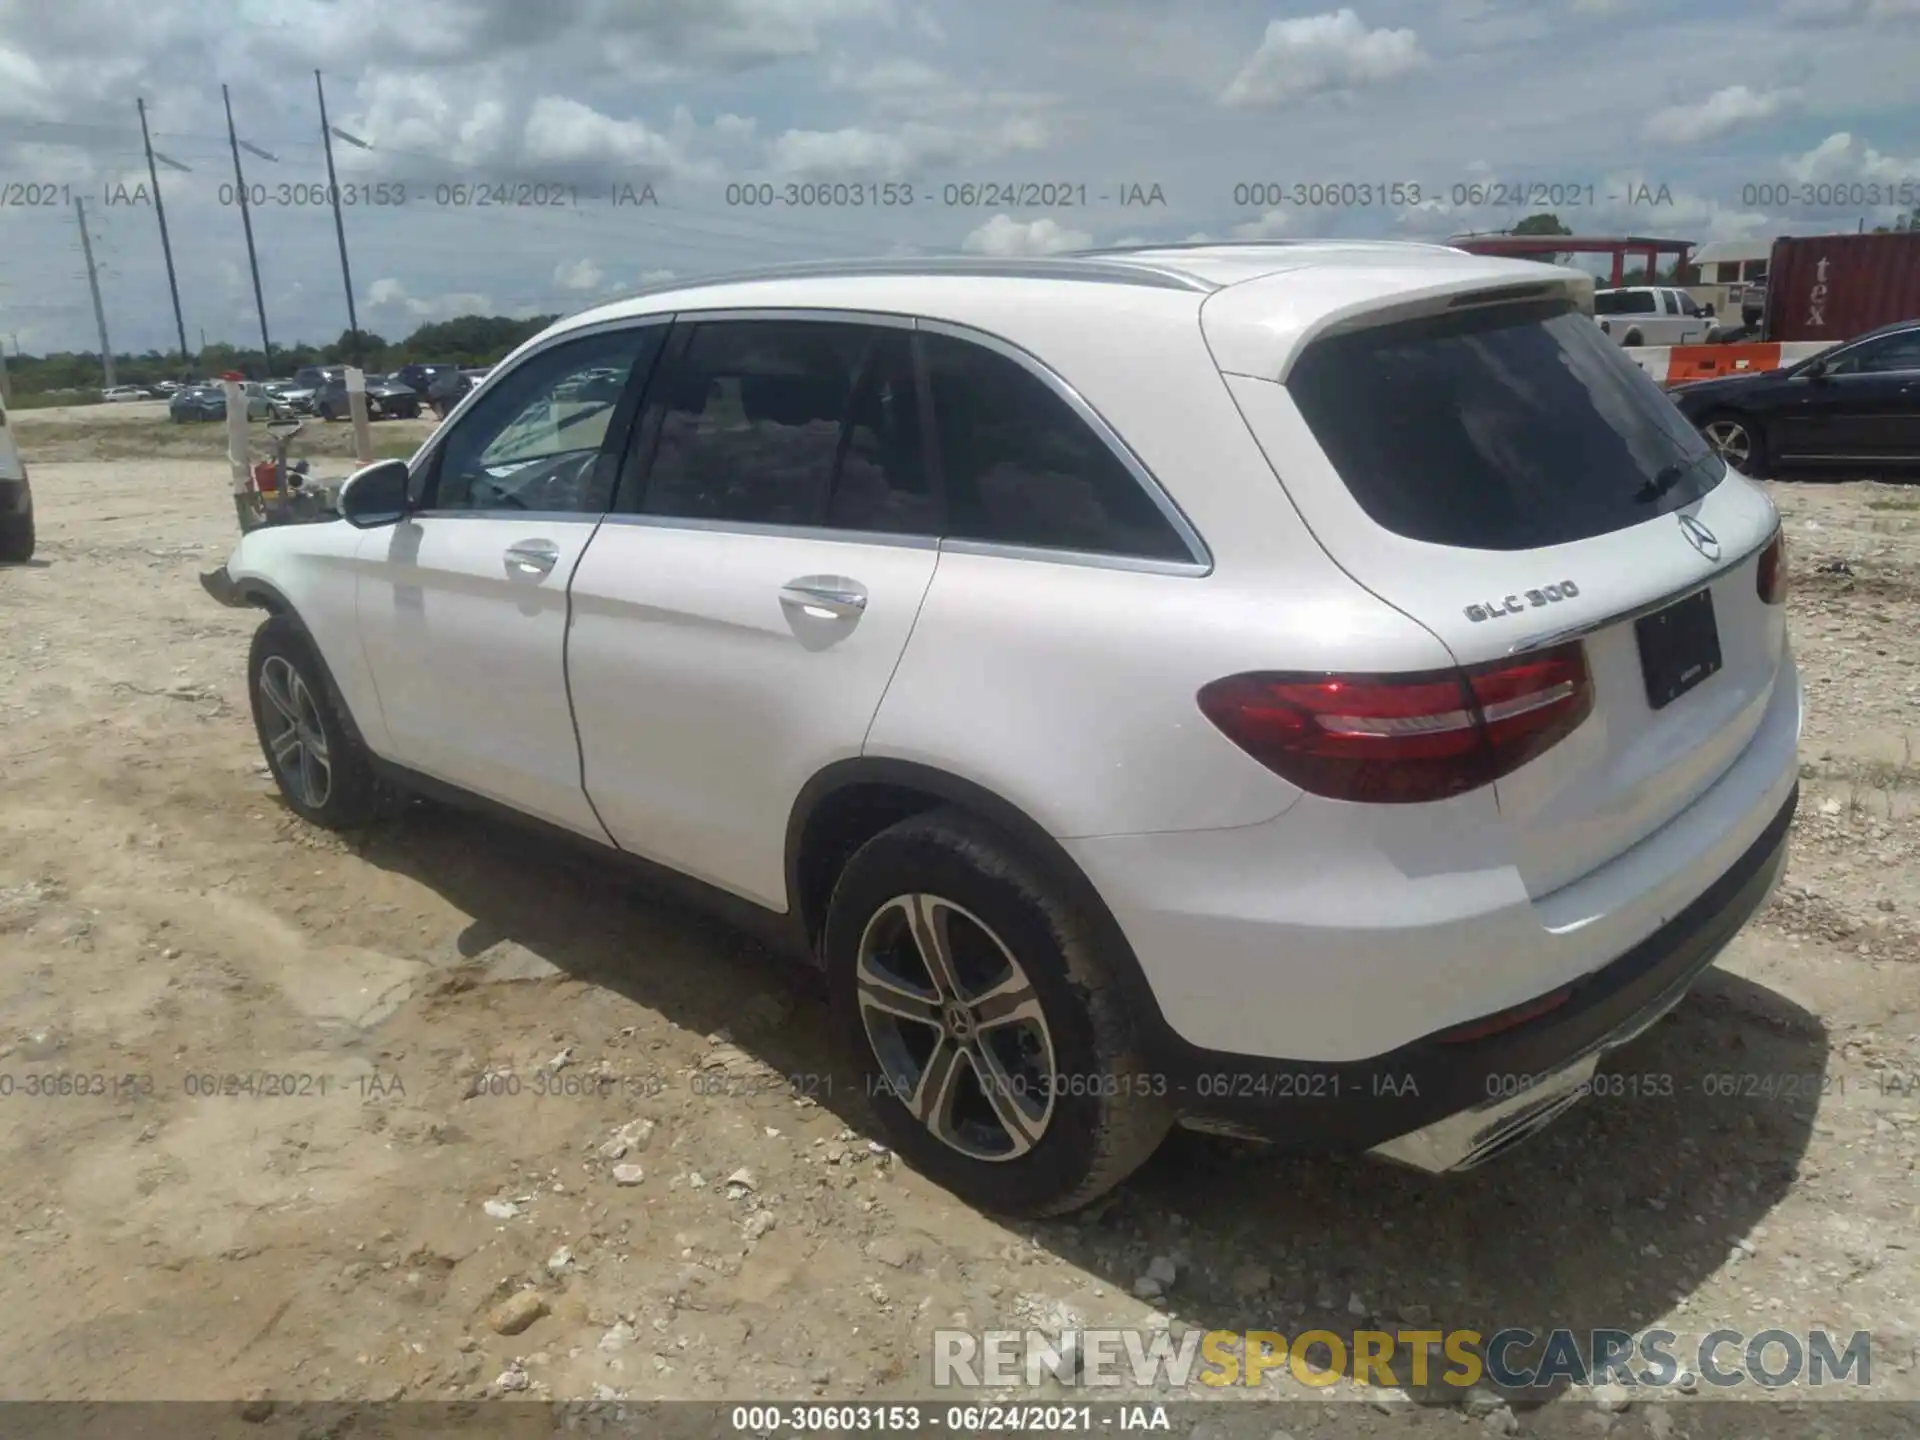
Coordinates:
[707,526]
[1198,554]
[544,517]
[1092,559]
[810,313]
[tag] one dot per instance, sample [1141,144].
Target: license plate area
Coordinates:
[1679,648]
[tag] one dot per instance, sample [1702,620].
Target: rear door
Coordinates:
[737,620]
[1503,475]
[463,605]
[1874,396]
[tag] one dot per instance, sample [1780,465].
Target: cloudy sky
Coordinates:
[1709,120]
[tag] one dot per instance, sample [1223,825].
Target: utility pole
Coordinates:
[93,284]
[166,245]
[339,225]
[246,221]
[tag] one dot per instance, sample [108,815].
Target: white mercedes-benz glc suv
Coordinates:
[1316,691]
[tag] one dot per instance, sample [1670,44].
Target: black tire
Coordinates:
[351,797]
[16,539]
[1634,337]
[1718,429]
[1105,1117]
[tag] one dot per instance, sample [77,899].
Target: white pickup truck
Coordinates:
[1652,315]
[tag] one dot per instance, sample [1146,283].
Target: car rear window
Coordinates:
[1623,302]
[1503,428]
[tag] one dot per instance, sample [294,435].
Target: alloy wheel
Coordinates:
[296,735]
[1732,442]
[957,1027]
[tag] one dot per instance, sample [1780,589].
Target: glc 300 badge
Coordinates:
[1524,601]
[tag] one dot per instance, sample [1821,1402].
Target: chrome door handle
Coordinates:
[833,593]
[536,556]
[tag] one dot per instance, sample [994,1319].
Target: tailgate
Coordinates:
[1509,479]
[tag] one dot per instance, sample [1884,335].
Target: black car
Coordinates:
[387,399]
[1858,403]
[423,378]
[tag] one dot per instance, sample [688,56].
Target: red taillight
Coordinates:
[1403,739]
[1771,578]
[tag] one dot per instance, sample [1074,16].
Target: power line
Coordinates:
[166,245]
[246,221]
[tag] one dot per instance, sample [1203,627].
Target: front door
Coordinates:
[462,606]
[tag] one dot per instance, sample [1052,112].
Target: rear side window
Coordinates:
[1021,468]
[1623,302]
[1506,428]
[791,422]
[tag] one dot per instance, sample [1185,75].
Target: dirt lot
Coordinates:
[464,1020]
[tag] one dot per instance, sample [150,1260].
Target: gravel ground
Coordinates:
[533,1130]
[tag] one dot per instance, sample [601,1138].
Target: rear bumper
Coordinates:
[1444,1103]
[1306,980]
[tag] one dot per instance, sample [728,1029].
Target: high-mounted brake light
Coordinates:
[1404,739]
[1771,578]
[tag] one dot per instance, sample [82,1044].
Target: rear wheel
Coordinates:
[1634,337]
[1738,440]
[988,1034]
[316,757]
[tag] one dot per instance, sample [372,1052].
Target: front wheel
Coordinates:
[984,1025]
[324,772]
[1738,440]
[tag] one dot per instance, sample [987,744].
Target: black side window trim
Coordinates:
[425,484]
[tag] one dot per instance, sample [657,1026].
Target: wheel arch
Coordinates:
[849,802]
[263,596]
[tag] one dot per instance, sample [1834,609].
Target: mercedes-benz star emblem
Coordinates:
[1701,538]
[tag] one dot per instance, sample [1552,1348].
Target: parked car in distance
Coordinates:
[1652,315]
[421,378]
[121,394]
[197,402]
[387,399]
[16,499]
[1454,719]
[209,402]
[168,387]
[1857,404]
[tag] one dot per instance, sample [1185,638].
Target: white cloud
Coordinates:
[1842,157]
[561,131]
[909,149]
[23,89]
[1321,53]
[1003,235]
[580,274]
[402,110]
[390,295]
[1828,12]
[1718,113]
[1270,226]
[901,73]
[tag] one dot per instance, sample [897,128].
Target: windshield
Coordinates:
[1509,428]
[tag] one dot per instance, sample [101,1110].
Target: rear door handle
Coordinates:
[536,557]
[835,594]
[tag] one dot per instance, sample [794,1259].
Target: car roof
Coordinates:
[1893,328]
[1264,299]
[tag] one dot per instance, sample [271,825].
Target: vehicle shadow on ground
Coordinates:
[1618,1210]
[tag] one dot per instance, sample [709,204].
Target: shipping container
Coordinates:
[1834,287]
